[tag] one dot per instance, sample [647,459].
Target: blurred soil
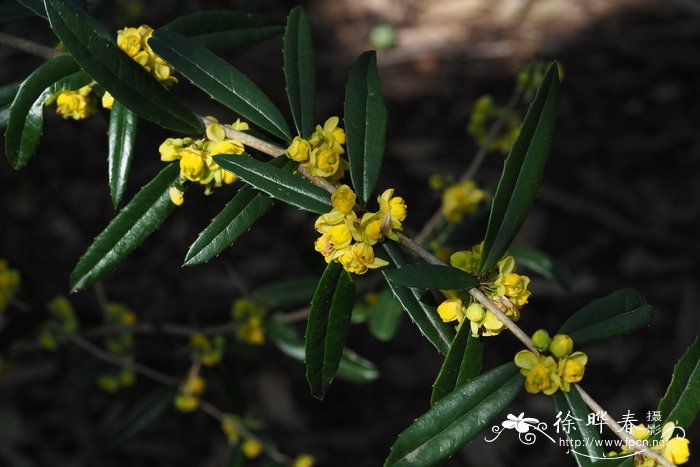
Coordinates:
[619,206]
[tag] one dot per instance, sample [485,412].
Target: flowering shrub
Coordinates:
[331,171]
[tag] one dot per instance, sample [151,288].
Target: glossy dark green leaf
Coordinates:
[300,71]
[523,171]
[278,183]
[235,219]
[543,264]
[463,361]
[122,138]
[222,30]
[8,93]
[293,292]
[142,416]
[220,80]
[425,317]
[327,327]
[681,402]
[4,116]
[115,71]
[432,276]
[581,433]
[25,122]
[620,312]
[365,124]
[457,418]
[134,223]
[352,367]
[385,316]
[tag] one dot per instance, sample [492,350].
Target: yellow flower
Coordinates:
[176,196]
[393,211]
[75,104]
[541,339]
[108,383]
[514,287]
[337,238]
[540,372]
[451,310]
[170,148]
[192,163]
[299,150]
[326,221]
[304,460]
[674,449]
[492,324]
[467,261]
[343,199]
[194,386]
[252,448]
[639,431]
[475,312]
[229,425]
[323,162]
[186,403]
[571,369]
[359,258]
[229,146]
[561,346]
[215,131]
[129,40]
[107,100]
[251,331]
[460,199]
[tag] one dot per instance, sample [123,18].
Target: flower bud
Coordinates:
[475,312]
[541,339]
[561,345]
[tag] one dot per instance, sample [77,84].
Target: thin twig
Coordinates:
[248,140]
[632,443]
[28,46]
[292,317]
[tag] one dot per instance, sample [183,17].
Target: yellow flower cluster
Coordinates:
[550,373]
[321,153]
[187,399]
[208,351]
[484,114]
[75,104]
[113,382]
[251,329]
[674,449]
[506,289]
[349,239]
[62,311]
[197,158]
[120,344]
[460,199]
[9,282]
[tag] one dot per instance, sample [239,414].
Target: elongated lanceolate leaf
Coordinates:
[456,419]
[25,122]
[221,30]
[425,317]
[300,71]
[352,367]
[220,80]
[115,71]
[122,138]
[620,312]
[8,93]
[327,328]
[385,316]
[292,292]
[432,276]
[462,362]
[583,435]
[681,403]
[143,215]
[143,415]
[542,263]
[278,183]
[365,124]
[523,171]
[236,218]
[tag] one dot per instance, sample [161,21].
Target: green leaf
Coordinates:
[327,328]
[681,403]
[620,312]
[134,223]
[122,138]
[115,71]
[425,317]
[220,80]
[462,362]
[432,276]
[581,433]
[222,30]
[293,292]
[300,71]
[26,120]
[8,93]
[4,117]
[235,219]
[523,171]
[456,419]
[365,124]
[278,183]
[352,367]
[142,416]
[385,316]
[543,264]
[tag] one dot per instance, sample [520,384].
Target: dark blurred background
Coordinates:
[619,206]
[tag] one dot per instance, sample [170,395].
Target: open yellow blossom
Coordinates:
[343,199]
[674,449]
[540,372]
[371,228]
[451,310]
[192,164]
[134,42]
[571,369]
[75,104]
[252,448]
[337,238]
[299,150]
[323,162]
[393,211]
[107,100]
[359,258]
[460,199]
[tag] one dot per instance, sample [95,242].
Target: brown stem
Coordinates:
[28,46]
